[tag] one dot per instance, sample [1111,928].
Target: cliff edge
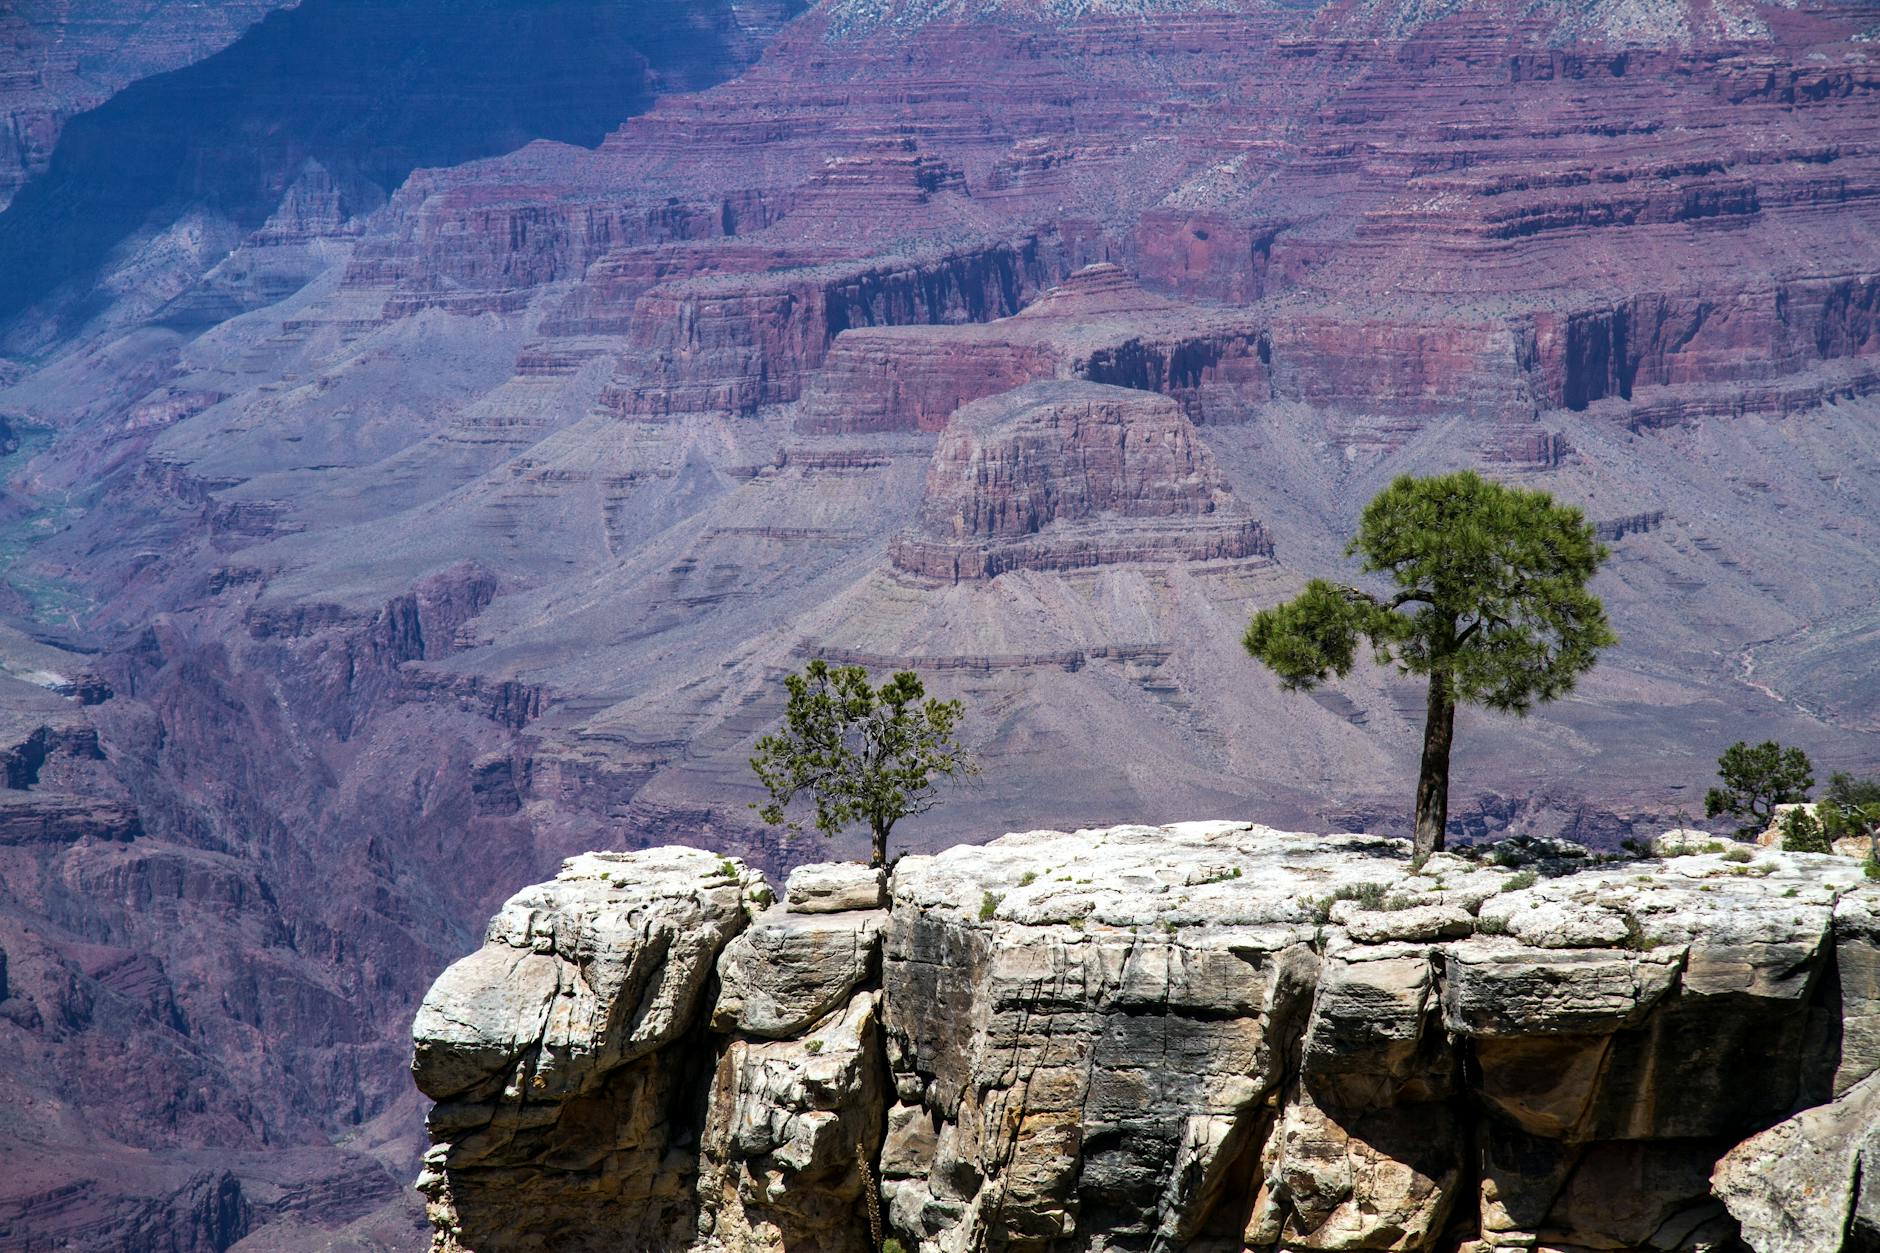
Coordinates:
[1202,1036]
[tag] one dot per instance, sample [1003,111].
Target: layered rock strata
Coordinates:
[1099,325]
[1208,1035]
[1062,475]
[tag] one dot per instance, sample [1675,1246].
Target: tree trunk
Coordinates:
[880,857]
[1439,730]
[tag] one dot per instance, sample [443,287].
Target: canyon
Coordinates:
[433,430]
[1210,1035]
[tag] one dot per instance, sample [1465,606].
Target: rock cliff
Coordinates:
[1208,1035]
[1062,475]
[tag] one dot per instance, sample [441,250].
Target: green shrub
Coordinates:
[1738,854]
[1635,937]
[988,906]
[1028,878]
[1520,881]
[1491,926]
[1802,833]
[1368,895]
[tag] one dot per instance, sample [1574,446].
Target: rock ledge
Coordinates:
[1208,1035]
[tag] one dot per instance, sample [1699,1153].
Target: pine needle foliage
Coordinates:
[858,753]
[1757,778]
[1490,602]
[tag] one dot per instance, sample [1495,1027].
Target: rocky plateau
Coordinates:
[1209,1035]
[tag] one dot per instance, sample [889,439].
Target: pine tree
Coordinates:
[1757,778]
[1490,603]
[859,753]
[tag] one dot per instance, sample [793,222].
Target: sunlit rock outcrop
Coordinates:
[1207,1035]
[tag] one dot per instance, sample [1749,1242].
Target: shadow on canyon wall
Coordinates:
[370,89]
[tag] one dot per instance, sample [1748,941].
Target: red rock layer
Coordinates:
[1099,325]
[1063,475]
[733,344]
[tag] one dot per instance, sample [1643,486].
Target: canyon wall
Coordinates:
[1202,1036]
[472,410]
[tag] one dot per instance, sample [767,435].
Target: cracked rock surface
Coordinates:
[1199,1036]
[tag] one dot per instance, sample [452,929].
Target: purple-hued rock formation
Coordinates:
[421,467]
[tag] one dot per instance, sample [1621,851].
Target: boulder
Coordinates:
[1810,1184]
[1685,841]
[832,887]
[786,971]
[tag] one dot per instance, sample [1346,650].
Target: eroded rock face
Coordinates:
[1060,475]
[1206,1035]
[551,1053]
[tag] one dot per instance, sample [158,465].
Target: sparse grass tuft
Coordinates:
[1520,881]
[988,906]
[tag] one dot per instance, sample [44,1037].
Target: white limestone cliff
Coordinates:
[1200,1036]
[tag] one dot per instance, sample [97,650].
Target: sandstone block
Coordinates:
[831,887]
[1423,922]
[1810,1184]
[785,971]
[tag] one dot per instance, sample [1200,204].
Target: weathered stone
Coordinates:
[831,887]
[1810,1184]
[562,1025]
[789,1132]
[1381,1179]
[909,1146]
[1857,965]
[1195,1036]
[787,970]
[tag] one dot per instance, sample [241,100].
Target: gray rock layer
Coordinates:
[1201,1036]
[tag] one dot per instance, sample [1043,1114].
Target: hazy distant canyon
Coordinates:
[435,428]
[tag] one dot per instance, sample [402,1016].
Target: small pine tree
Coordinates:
[1850,809]
[1757,778]
[1802,833]
[860,753]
